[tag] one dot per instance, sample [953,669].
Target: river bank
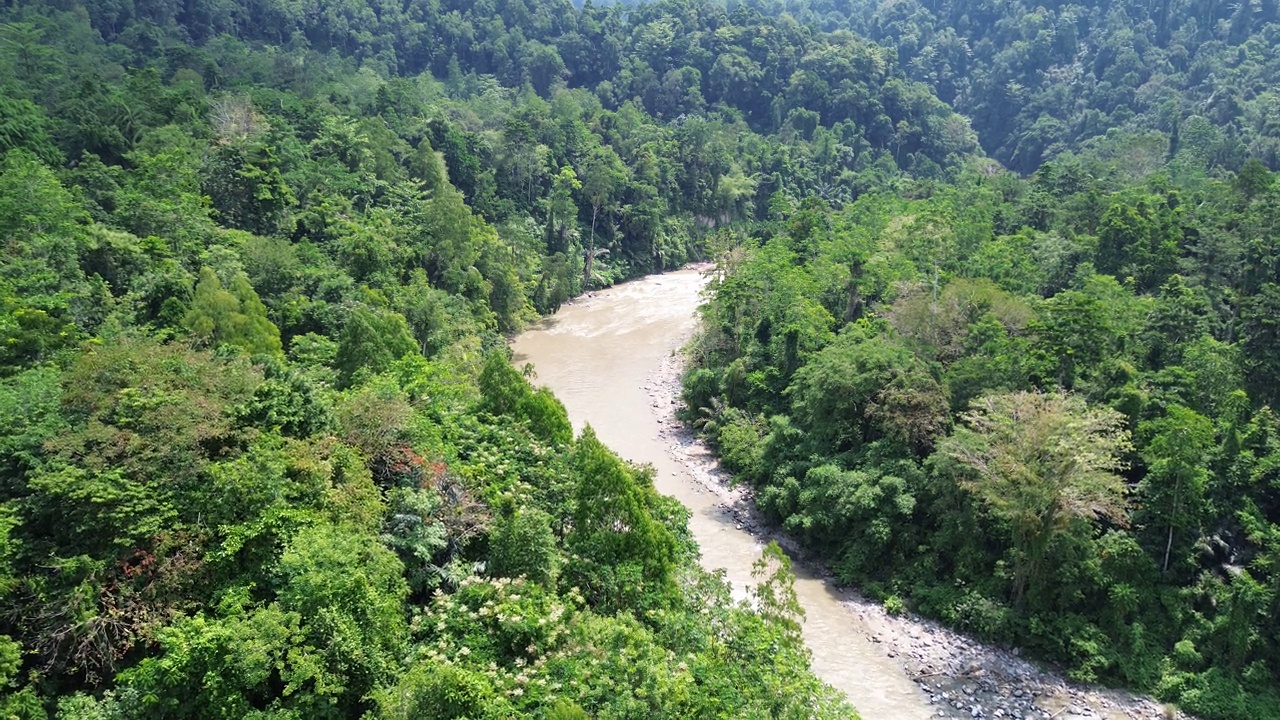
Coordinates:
[596,355]
[962,678]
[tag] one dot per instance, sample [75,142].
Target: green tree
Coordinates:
[1138,241]
[1176,450]
[44,299]
[1260,337]
[863,387]
[561,211]
[775,592]
[350,590]
[445,239]
[546,415]
[502,387]
[23,125]
[372,339]
[1038,462]
[522,543]
[1252,179]
[129,461]
[247,188]
[624,558]
[436,318]
[504,391]
[1179,317]
[1075,333]
[231,317]
[426,166]
[603,175]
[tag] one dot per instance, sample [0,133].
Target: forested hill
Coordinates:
[1037,78]
[1039,408]
[678,57]
[1042,411]
[263,455]
[261,450]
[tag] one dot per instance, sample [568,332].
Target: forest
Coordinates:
[1038,79]
[1037,409]
[1037,404]
[263,452]
[992,331]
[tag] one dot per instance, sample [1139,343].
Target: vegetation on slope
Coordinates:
[1037,409]
[1040,78]
[263,454]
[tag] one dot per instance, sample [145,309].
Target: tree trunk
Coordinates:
[934,305]
[591,250]
[1168,545]
[853,310]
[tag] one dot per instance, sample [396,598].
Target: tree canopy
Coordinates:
[995,291]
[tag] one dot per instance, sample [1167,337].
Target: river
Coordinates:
[600,355]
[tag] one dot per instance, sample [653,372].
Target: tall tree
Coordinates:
[1038,462]
[1173,491]
[372,339]
[560,209]
[602,177]
[626,556]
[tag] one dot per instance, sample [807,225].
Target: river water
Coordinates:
[598,356]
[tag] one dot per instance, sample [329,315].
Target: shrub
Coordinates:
[894,605]
[741,442]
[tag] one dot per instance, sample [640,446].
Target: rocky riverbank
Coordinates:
[963,678]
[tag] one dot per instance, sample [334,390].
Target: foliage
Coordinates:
[1039,462]
[262,453]
[1037,409]
[621,556]
[231,317]
[1037,80]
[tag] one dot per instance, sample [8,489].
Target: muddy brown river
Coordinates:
[599,355]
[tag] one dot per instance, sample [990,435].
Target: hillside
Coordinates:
[992,333]
[263,451]
[1186,80]
[1040,410]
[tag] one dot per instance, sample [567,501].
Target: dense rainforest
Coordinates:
[1040,409]
[263,454]
[1041,78]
